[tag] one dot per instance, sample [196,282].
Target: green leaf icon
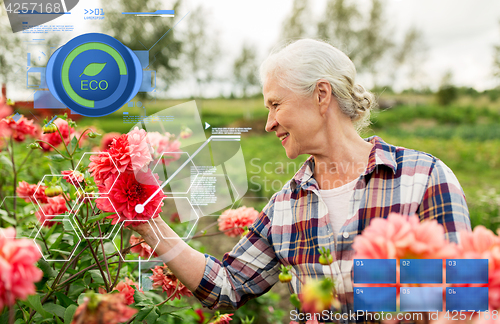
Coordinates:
[93,69]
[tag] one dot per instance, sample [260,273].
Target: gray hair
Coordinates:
[302,63]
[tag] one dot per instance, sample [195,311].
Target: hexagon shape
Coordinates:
[212,204]
[84,160]
[186,213]
[167,168]
[66,247]
[116,240]
[40,204]
[102,227]
[25,226]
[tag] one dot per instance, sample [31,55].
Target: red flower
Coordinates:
[108,139]
[143,249]
[18,270]
[237,219]
[103,309]
[56,206]
[162,276]
[54,138]
[128,191]
[72,177]
[5,110]
[25,189]
[222,319]
[125,288]
[201,318]
[130,152]
[175,218]
[20,128]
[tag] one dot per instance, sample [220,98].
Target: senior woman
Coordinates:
[315,108]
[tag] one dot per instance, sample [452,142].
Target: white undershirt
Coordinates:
[337,202]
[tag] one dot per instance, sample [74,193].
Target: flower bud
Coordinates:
[89,189]
[92,135]
[53,191]
[34,146]
[49,129]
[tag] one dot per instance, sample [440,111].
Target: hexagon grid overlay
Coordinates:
[86,215]
[182,217]
[85,161]
[65,186]
[132,257]
[57,245]
[21,216]
[167,165]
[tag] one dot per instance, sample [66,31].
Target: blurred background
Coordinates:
[434,67]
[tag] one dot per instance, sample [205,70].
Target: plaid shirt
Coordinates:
[295,223]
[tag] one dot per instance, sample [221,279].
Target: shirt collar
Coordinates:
[382,154]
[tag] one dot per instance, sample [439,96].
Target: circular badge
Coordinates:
[94,74]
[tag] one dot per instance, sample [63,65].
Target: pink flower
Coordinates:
[130,153]
[56,206]
[54,138]
[171,152]
[5,110]
[403,237]
[25,189]
[126,290]
[144,250]
[103,309]
[201,316]
[484,244]
[18,271]
[128,191]
[72,177]
[163,277]
[318,295]
[237,219]
[107,140]
[20,128]
[222,319]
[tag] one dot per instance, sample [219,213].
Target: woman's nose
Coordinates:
[271,122]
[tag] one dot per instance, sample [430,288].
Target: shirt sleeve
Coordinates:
[248,271]
[444,201]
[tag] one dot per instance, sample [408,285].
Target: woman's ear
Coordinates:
[323,95]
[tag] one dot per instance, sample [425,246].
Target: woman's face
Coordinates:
[295,119]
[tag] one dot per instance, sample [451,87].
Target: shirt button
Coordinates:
[345,235]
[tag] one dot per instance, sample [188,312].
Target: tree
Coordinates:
[155,34]
[245,69]
[337,26]
[412,53]
[496,61]
[296,23]
[374,41]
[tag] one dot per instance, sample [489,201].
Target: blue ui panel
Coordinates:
[421,271]
[421,299]
[375,299]
[467,299]
[373,271]
[467,271]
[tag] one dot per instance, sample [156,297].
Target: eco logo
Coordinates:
[94,74]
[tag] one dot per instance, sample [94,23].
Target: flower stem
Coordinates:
[60,153]
[119,260]
[14,172]
[66,147]
[104,253]
[78,143]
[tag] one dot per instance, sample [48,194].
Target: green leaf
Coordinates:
[55,309]
[73,143]
[5,160]
[64,300]
[56,157]
[96,275]
[152,316]
[98,217]
[57,242]
[34,302]
[142,300]
[168,309]
[69,313]
[47,269]
[93,69]
[143,313]
[9,220]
